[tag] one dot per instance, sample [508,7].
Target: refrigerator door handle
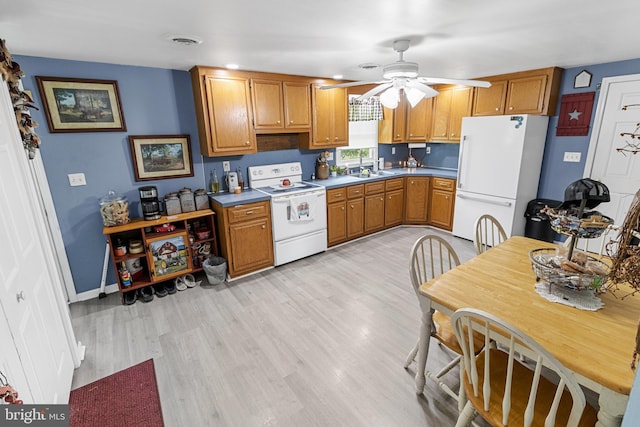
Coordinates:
[480,199]
[462,140]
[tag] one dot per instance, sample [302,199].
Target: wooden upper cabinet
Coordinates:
[223,113]
[490,101]
[330,118]
[229,114]
[526,95]
[525,92]
[418,122]
[281,106]
[449,107]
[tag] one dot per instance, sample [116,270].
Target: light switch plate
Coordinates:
[226,166]
[76,179]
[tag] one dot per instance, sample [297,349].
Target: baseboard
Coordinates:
[95,293]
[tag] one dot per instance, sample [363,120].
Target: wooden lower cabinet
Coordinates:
[355,211]
[374,206]
[394,202]
[245,237]
[336,222]
[441,203]
[417,198]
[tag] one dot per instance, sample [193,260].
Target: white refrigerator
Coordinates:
[498,170]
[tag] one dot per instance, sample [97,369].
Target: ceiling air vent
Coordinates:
[184,40]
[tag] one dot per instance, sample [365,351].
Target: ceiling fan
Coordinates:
[404,75]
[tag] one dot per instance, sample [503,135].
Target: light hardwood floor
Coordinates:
[317,342]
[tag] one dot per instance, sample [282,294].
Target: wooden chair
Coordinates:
[488,233]
[504,391]
[430,257]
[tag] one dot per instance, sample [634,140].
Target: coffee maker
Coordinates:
[149,202]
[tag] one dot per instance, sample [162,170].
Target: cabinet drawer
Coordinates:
[355,191]
[336,195]
[443,184]
[247,212]
[394,184]
[374,187]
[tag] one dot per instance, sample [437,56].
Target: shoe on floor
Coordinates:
[160,290]
[145,294]
[170,287]
[130,297]
[179,284]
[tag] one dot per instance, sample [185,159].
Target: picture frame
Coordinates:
[81,105]
[170,255]
[582,79]
[161,156]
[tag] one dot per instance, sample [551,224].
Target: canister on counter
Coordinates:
[172,204]
[202,199]
[187,201]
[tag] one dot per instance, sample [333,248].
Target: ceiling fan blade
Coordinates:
[428,90]
[436,80]
[376,90]
[348,84]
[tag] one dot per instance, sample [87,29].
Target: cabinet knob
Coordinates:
[342,207]
[278,122]
[326,139]
[336,138]
[397,135]
[390,197]
[497,109]
[264,226]
[290,122]
[247,143]
[352,206]
[381,199]
[510,108]
[453,134]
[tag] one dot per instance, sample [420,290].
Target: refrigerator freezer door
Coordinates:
[470,206]
[491,150]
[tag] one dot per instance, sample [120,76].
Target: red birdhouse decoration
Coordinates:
[575,114]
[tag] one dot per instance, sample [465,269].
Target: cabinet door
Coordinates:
[419,121]
[330,118]
[355,218]
[490,101]
[400,122]
[417,192]
[228,103]
[441,212]
[336,223]
[252,246]
[374,213]
[297,105]
[526,95]
[460,107]
[267,104]
[340,104]
[393,207]
[441,109]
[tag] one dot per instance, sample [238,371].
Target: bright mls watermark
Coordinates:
[34,415]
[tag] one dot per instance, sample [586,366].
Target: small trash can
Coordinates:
[538,224]
[216,269]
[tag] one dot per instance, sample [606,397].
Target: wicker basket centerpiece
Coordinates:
[582,272]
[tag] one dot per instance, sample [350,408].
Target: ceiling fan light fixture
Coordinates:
[400,69]
[414,96]
[390,98]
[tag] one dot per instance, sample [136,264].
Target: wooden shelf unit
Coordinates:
[186,225]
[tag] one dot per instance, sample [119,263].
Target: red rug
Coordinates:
[127,398]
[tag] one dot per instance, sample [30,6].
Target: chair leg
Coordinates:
[412,355]
[466,416]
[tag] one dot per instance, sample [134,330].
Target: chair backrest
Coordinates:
[505,391]
[488,233]
[431,256]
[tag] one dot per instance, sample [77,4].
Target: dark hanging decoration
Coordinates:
[22,101]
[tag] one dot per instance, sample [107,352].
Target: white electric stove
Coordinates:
[298,210]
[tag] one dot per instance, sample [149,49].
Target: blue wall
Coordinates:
[157,102]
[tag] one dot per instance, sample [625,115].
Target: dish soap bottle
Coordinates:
[215,184]
[240,179]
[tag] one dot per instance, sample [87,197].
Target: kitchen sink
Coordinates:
[373,175]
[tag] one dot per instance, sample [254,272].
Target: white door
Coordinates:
[30,293]
[617,115]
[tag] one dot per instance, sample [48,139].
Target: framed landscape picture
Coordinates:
[81,105]
[161,156]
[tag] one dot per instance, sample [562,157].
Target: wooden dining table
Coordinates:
[597,346]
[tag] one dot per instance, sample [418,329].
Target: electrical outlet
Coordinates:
[393,150]
[226,166]
[428,150]
[76,179]
[570,156]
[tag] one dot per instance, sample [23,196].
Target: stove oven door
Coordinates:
[298,214]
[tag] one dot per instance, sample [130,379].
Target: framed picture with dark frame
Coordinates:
[81,105]
[161,156]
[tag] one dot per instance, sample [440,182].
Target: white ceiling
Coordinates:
[450,38]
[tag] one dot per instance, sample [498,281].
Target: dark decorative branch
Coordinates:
[21,100]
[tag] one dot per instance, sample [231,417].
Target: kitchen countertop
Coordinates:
[251,196]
